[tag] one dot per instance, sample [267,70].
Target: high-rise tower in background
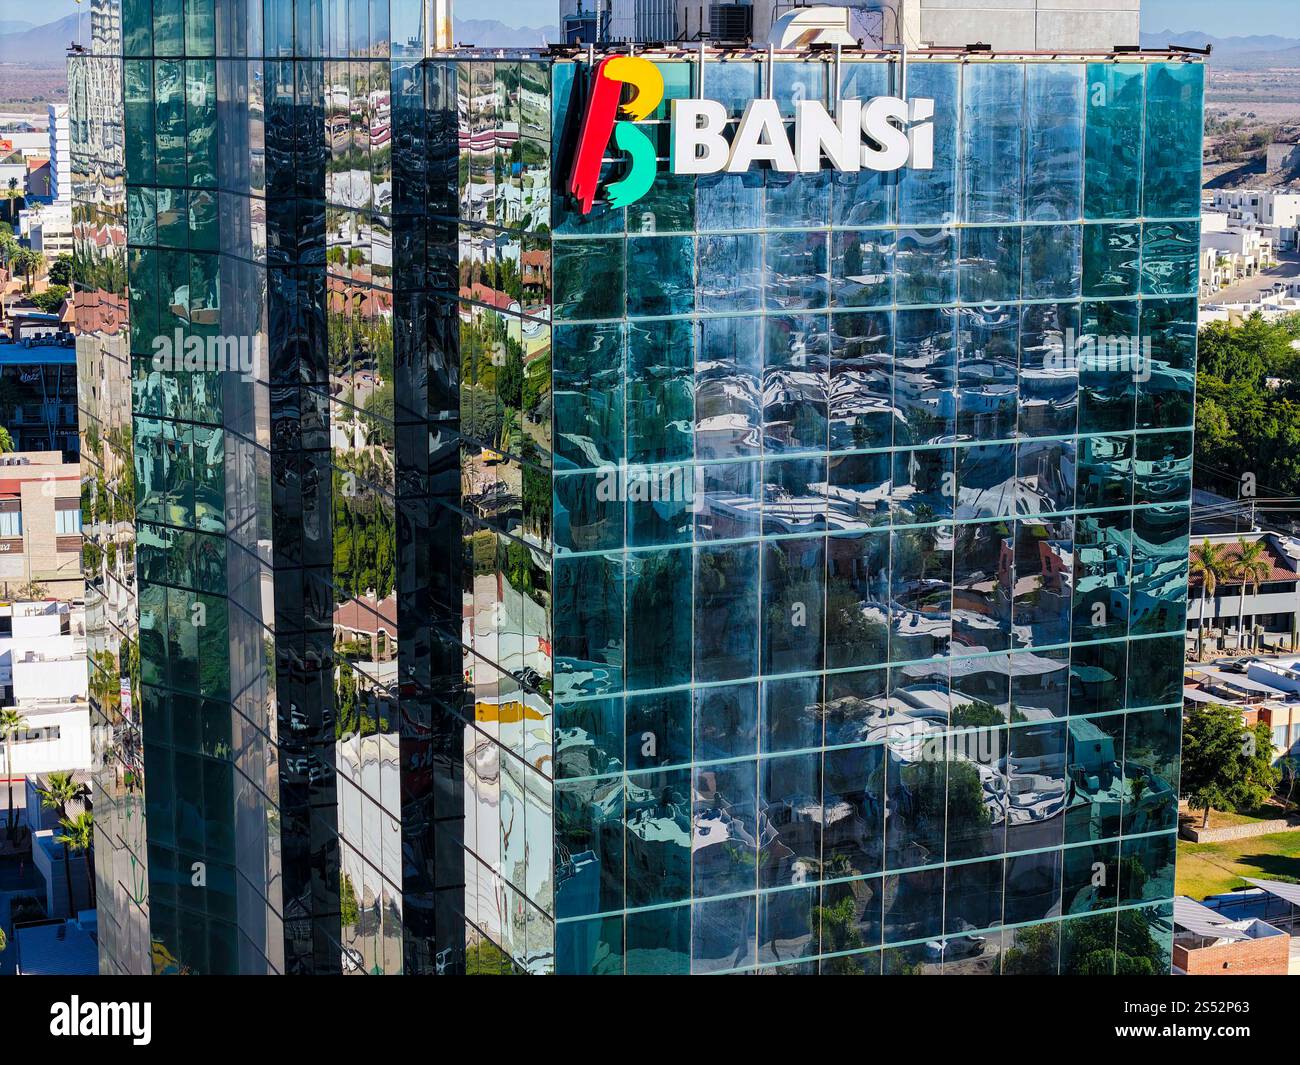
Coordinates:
[783,572]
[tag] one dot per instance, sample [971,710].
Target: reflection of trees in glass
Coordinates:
[979,714]
[485,958]
[350,909]
[1034,952]
[358,709]
[365,561]
[1093,946]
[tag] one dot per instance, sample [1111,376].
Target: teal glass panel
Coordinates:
[992,132]
[1111,259]
[1113,156]
[590,279]
[168,27]
[139,120]
[1169,258]
[660,276]
[658,618]
[660,391]
[1171,185]
[1054,95]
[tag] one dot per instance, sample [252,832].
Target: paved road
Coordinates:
[1288,267]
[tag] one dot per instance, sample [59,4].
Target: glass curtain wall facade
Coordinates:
[240,191]
[108,494]
[784,573]
[871,663]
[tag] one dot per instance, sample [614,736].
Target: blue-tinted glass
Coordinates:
[726,612]
[861,403]
[658,618]
[992,127]
[661,276]
[1171,186]
[1053,141]
[1113,160]
[1051,268]
[794,581]
[660,391]
[729,272]
[990,264]
[925,266]
[659,824]
[929,197]
[1111,255]
[795,382]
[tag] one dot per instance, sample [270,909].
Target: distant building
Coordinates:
[40,524]
[1231,250]
[1272,610]
[60,154]
[38,397]
[1209,943]
[39,179]
[48,227]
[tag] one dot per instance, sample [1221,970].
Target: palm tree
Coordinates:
[1207,563]
[79,835]
[1252,568]
[27,262]
[11,723]
[60,789]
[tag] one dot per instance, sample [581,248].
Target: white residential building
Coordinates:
[1276,214]
[60,154]
[1231,250]
[48,227]
[1263,207]
[43,676]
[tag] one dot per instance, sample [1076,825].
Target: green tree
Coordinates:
[1248,406]
[1210,564]
[61,271]
[1252,568]
[6,441]
[51,299]
[78,836]
[60,790]
[11,723]
[1226,764]
[28,263]
[838,925]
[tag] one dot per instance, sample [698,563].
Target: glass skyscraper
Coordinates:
[785,572]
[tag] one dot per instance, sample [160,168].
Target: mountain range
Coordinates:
[1266,50]
[23,43]
[47,45]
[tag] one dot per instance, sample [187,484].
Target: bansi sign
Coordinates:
[883,133]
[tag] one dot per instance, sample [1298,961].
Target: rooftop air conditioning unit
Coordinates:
[731,22]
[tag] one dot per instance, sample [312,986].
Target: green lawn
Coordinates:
[1211,868]
[1229,819]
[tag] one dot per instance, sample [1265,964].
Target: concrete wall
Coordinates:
[1023,25]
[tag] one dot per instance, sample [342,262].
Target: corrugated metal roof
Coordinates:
[1203,921]
[56,950]
[1283,890]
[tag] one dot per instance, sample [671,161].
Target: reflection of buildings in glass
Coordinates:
[730,584]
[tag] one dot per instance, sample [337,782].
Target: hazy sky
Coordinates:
[1220,18]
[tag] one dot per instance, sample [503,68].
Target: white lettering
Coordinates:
[816,132]
[761,137]
[698,146]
